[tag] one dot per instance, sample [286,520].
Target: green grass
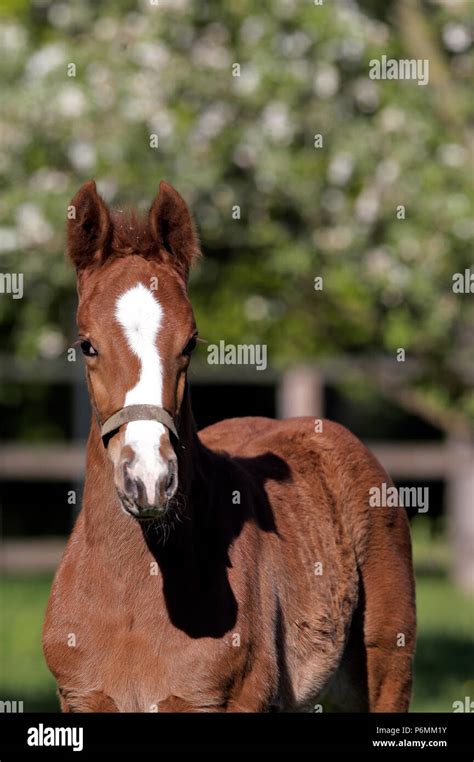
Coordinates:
[444,661]
[443,665]
[24,675]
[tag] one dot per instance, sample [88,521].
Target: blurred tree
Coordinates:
[237,95]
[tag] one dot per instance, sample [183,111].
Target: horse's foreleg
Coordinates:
[257,691]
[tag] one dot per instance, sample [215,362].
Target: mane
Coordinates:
[131,235]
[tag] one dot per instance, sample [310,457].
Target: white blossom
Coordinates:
[326,81]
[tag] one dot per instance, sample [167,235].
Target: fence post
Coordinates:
[460,512]
[300,391]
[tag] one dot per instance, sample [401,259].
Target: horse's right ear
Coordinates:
[88,228]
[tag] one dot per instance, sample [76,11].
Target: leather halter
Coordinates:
[137,413]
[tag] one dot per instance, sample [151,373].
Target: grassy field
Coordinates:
[444,658]
[23,674]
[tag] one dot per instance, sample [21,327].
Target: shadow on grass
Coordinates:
[440,662]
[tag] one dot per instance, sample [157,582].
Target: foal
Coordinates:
[241,569]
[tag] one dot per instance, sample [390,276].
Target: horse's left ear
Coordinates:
[172,227]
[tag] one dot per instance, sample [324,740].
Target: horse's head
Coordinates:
[137,332]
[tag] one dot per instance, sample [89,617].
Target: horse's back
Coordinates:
[238,435]
[317,449]
[233,433]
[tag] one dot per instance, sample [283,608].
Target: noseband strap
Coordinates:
[137,413]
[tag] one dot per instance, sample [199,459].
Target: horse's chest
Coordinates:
[157,668]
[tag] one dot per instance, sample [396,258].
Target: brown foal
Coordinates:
[241,569]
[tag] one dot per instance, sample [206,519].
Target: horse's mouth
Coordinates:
[150,513]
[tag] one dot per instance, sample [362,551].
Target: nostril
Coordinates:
[129,484]
[171,480]
[141,497]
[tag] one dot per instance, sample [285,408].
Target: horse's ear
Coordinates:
[89,227]
[172,227]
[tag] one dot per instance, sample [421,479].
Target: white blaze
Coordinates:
[140,314]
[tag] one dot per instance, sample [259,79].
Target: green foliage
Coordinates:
[224,140]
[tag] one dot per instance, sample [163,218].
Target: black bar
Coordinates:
[442,734]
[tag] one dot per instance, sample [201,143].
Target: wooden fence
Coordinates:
[299,391]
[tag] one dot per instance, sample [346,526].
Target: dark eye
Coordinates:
[87,349]
[190,346]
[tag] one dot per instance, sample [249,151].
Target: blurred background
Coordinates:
[296,166]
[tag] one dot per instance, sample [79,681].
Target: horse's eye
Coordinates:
[190,346]
[87,349]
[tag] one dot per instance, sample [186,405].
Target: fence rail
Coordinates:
[299,391]
[66,462]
